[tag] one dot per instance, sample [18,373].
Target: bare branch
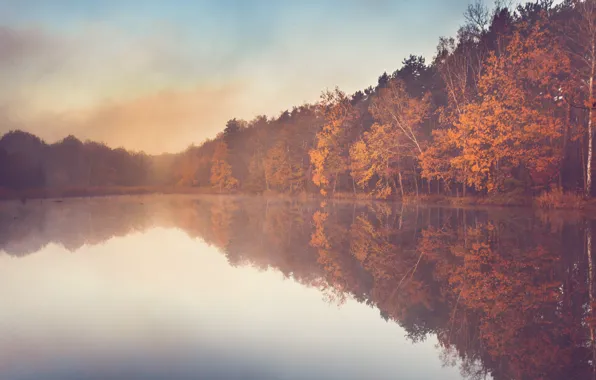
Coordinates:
[477,15]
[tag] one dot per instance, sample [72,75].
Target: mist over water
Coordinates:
[187,287]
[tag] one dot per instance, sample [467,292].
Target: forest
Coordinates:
[504,107]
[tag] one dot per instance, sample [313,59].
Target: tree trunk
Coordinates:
[464,183]
[266,179]
[335,182]
[465,221]
[415,179]
[401,186]
[590,288]
[416,184]
[583,157]
[588,183]
[565,142]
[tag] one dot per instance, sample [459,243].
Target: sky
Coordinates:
[159,76]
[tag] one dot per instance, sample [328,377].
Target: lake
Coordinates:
[208,287]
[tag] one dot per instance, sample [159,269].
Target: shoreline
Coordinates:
[502,200]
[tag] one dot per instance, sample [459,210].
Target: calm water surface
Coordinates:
[183,287]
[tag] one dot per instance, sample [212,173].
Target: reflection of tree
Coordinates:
[27,228]
[330,258]
[495,289]
[508,295]
[221,212]
[388,254]
[515,295]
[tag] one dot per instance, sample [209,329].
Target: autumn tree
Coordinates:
[580,34]
[330,156]
[257,140]
[187,168]
[459,64]
[516,125]
[282,172]
[436,160]
[399,135]
[377,155]
[221,171]
[257,177]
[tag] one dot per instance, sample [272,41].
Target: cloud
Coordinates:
[54,70]
[143,92]
[167,121]
[146,92]
[26,57]
[14,45]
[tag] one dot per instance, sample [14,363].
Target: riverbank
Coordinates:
[554,200]
[549,200]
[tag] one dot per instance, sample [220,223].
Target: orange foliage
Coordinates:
[517,123]
[330,155]
[221,171]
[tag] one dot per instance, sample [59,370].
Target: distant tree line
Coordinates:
[28,162]
[505,106]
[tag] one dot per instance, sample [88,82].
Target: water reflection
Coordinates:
[503,293]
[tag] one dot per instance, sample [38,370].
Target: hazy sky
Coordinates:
[160,75]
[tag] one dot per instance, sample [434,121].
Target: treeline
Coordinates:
[506,106]
[26,161]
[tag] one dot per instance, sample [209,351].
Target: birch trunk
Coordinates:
[588,189]
[590,291]
[401,186]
